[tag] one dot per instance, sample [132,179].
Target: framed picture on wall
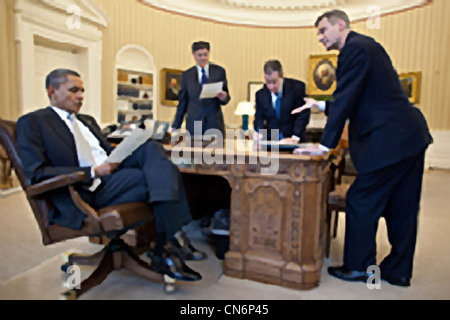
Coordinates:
[411,84]
[170,86]
[322,74]
[253,87]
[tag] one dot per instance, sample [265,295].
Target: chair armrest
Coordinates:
[55,183]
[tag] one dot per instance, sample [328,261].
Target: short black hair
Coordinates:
[200,45]
[273,65]
[333,16]
[58,77]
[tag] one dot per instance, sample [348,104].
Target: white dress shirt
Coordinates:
[98,152]
[199,70]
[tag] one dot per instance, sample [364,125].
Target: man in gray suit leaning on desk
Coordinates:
[58,140]
[388,137]
[208,111]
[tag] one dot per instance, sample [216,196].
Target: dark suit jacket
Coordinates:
[384,127]
[289,124]
[208,111]
[47,149]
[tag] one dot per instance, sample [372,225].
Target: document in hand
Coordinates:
[210,90]
[129,144]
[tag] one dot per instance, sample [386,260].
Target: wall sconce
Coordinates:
[245,109]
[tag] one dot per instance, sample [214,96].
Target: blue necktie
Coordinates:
[277,105]
[277,111]
[204,78]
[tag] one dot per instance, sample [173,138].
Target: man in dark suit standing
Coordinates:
[58,140]
[274,103]
[207,111]
[388,137]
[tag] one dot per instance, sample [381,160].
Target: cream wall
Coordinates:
[417,40]
[9,96]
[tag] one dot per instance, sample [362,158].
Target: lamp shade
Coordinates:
[245,108]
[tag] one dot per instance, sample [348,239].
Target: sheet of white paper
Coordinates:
[129,144]
[210,90]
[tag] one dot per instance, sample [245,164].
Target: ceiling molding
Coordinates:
[282,13]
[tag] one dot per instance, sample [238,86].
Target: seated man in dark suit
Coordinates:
[274,103]
[58,140]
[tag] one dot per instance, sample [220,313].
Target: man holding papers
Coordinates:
[58,140]
[191,103]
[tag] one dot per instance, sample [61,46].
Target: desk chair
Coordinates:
[112,222]
[337,195]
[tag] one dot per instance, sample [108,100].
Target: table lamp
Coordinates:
[244,109]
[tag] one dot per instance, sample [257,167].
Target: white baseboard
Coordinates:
[438,153]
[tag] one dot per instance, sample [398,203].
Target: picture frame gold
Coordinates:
[322,74]
[170,86]
[252,88]
[410,83]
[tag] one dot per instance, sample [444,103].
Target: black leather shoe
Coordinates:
[175,268]
[402,282]
[346,274]
[187,249]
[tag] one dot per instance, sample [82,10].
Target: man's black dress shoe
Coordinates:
[346,274]
[172,264]
[402,282]
[187,249]
[174,268]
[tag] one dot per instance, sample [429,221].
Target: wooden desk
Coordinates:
[278,222]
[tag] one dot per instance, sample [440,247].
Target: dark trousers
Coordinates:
[393,193]
[148,175]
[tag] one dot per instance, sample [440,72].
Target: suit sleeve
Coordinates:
[225,88]
[258,122]
[353,70]
[183,101]
[302,118]
[32,152]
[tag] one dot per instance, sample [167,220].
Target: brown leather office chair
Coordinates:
[112,221]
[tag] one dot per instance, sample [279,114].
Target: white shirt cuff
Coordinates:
[92,172]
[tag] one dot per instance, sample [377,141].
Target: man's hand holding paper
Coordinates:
[212,90]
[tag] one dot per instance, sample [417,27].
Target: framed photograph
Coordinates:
[170,86]
[253,87]
[411,84]
[322,74]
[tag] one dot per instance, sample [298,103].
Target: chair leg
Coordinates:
[328,238]
[135,264]
[105,267]
[82,259]
[336,219]
[117,255]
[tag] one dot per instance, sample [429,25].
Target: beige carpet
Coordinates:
[29,270]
